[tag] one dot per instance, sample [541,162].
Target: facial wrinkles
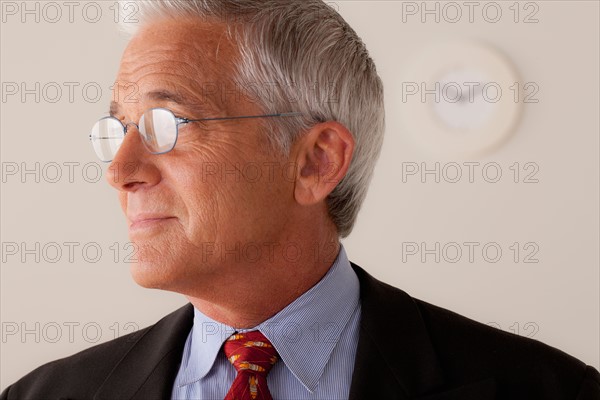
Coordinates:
[131,96]
[221,189]
[214,203]
[165,67]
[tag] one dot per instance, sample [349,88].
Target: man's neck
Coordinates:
[264,289]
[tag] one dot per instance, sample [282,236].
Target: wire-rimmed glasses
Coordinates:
[158,127]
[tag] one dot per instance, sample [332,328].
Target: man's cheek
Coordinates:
[204,219]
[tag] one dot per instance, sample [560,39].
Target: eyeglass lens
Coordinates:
[157,127]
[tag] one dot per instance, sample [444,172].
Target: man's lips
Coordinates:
[146,220]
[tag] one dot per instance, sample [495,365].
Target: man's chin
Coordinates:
[151,275]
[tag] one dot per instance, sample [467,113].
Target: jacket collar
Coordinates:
[395,358]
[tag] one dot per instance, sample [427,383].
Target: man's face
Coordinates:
[185,209]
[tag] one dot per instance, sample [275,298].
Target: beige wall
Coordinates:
[555,300]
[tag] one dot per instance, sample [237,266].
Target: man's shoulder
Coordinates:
[468,350]
[458,337]
[82,373]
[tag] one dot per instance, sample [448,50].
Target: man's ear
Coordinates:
[322,157]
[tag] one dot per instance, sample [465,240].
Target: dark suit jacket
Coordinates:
[407,349]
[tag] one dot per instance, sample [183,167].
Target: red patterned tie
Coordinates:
[252,355]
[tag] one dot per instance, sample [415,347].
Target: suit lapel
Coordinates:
[395,358]
[149,369]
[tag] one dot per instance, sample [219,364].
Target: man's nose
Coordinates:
[133,165]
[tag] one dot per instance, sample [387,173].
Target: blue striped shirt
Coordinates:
[316,337]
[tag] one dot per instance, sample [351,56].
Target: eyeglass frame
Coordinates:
[180,121]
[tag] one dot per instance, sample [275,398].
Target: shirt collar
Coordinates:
[304,333]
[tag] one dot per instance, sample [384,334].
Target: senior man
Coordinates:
[276,310]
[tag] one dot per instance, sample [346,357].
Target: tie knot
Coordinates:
[250,351]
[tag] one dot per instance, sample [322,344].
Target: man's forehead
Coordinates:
[190,36]
[177,63]
[188,50]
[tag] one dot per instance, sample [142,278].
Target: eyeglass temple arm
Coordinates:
[290,114]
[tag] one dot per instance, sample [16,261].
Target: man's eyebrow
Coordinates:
[161,95]
[114,108]
[165,95]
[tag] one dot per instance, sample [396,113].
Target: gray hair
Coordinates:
[314,63]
